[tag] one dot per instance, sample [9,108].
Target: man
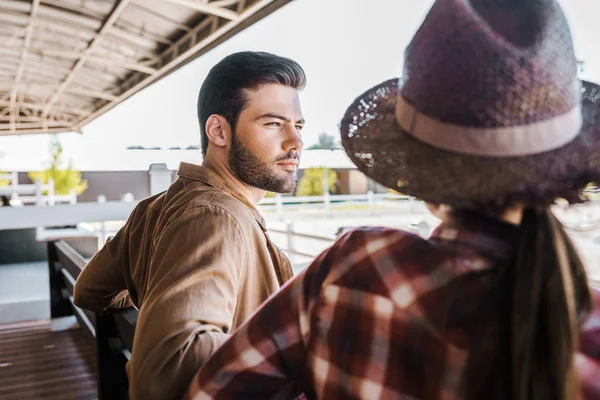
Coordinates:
[489,125]
[196,260]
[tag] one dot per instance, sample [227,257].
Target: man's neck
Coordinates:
[252,194]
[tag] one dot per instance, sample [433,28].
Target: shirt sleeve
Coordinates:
[101,285]
[267,357]
[255,363]
[194,277]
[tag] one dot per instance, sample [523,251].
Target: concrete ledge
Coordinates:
[31,310]
[64,214]
[24,292]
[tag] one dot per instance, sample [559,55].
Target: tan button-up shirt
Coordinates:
[197,261]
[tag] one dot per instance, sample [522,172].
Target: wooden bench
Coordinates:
[113,332]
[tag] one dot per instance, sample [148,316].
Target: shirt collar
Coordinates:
[202,174]
[488,236]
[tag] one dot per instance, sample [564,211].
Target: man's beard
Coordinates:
[255,172]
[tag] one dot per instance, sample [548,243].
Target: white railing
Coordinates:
[291,235]
[280,203]
[291,246]
[34,193]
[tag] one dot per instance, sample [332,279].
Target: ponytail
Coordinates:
[540,297]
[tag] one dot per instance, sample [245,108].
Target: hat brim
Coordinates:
[385,152]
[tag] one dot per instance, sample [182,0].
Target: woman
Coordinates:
[489,125]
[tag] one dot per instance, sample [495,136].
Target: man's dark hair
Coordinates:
[222,92]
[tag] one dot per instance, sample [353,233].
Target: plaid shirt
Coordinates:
[381,314]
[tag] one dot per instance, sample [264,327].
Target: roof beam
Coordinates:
[57,107]
[51,76]
[72,90]
[59,71]
[96,59]
[31,131]
[110,21]
[163,17]
[28,33]
[48,51]
[71,7]
[89,93]
[86,33]
[6,40]
[121,41]
[223,3]
[241,6]
[30,125]
[206,9]
[22,119]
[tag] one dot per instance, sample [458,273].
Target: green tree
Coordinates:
[311,183]
[4,182]
[326,142]
[65,179]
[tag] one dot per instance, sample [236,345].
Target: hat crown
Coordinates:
[492,63]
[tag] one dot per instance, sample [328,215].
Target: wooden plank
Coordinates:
[49,392]
[42,364]
[68,280]
[112,378]
[16,348]
[70,259]
[33,341]
[60,306]
[50,351]
[41,376]
[125,322]
[84,320]
[19,366]
[44,384]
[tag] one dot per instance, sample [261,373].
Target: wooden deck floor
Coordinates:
[38,363]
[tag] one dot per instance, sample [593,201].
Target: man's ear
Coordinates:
[218,131]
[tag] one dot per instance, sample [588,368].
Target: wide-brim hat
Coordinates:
[489,111]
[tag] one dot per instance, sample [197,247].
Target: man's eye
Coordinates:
[274,124]
[299,127]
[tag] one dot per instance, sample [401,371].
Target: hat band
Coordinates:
[509,141]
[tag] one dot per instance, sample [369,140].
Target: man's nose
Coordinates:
[293,140]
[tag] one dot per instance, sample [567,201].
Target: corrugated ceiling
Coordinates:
[63,63]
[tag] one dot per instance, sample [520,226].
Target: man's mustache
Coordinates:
[290,155]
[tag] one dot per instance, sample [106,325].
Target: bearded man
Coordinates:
[196,260]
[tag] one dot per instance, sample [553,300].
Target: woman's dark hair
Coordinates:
[222,92]
[528,329]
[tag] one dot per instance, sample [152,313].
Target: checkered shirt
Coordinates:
[380,315]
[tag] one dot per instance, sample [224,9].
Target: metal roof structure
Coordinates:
[63,63]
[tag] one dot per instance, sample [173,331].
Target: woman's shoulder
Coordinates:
[384,250]
[384,240]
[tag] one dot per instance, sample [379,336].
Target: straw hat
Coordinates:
[489,110]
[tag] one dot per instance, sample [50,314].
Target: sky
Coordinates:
[345,47]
